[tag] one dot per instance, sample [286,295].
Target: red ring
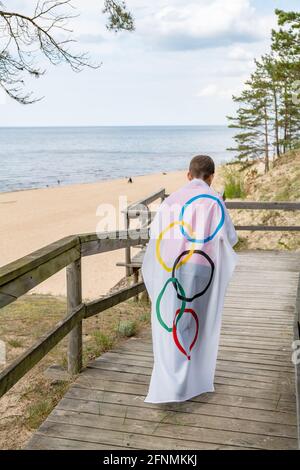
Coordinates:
[175,337]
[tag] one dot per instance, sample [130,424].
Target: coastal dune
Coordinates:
[31,219]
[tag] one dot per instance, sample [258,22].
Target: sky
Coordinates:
[180,67]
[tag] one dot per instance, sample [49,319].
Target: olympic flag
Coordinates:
[186,269]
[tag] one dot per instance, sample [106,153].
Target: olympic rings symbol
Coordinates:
[220,224]
[158,243]
[159,298]
[199,294]
[175,337]
[182,259]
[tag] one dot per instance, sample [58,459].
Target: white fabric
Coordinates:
[192,219]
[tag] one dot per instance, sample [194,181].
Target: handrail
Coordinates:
[254,205]
[19,277]
[297,363]
[134,211]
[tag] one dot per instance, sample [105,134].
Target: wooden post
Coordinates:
[74,298]
[127,250]
[135,281]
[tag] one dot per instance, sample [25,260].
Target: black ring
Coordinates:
[198,252]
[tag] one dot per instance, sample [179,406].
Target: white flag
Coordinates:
[186,269]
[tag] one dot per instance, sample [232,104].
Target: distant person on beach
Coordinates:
[130,180]
[186,269]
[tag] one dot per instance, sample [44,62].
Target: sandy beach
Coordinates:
[34,218]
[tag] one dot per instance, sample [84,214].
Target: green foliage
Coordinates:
[268,117]
[127,328]
[15,343]
[119,18]
[234,188]
[103,341]
[45,399]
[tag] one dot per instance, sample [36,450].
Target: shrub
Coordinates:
[234,187]
[127,328]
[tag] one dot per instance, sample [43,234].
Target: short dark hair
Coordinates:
[202,166]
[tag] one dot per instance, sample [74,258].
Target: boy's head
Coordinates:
[202,167]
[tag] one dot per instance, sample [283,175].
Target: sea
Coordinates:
[40,157]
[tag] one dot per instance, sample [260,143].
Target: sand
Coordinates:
[32,219]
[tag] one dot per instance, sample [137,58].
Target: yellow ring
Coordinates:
[159,240]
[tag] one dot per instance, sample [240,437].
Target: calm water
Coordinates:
[40,157]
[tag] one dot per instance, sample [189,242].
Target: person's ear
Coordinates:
[189,176]
[210,179]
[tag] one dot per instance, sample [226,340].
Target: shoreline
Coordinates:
[34,218]
[104,180]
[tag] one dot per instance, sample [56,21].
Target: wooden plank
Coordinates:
[297,362]
[254,205]
[99,380]
[18,368]
[238,379]
[199,436]
[46,442]
[22,283]
[235,396]
[170,416]
[160,194]
[17,268]
[116,437]
[267,228]
[253,405]
[227,408]
[94,243]
[74,300]
[98,306]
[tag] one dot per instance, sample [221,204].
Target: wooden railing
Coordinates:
[271,206]
[135,211]
[19,277]
[297,364]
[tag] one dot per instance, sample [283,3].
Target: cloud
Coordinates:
[205,24]
[212,90]
[239,53]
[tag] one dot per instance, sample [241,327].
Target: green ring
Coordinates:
[158,301]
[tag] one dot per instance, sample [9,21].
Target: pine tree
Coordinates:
[267,116]
[286,48]
[253,119]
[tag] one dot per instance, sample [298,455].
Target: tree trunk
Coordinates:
[267,157]
[277,143]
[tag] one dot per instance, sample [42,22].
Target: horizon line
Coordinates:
[108,125]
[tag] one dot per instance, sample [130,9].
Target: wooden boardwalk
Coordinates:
[254,404]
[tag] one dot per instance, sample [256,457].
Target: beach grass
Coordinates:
[22,323]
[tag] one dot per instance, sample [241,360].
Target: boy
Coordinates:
[186,269]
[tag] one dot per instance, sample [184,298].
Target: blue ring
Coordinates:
[221,223]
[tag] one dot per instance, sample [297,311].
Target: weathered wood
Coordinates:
[98,306]
[27,263]
[19,367]
[19,284]
[94,243]
[297,363]
[254,205]
[160,194]
[133,211]
[267,228]
[41,442]
[74,299]
[127,249]
[254,402]
[94,425]
[195,419]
